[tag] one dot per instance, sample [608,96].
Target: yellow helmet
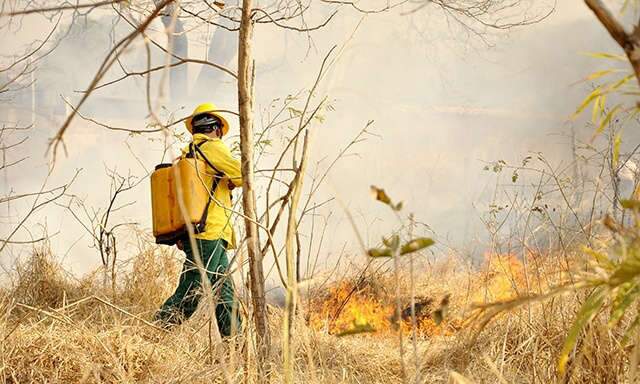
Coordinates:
[210,109]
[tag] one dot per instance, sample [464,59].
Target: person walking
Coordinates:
[207,127]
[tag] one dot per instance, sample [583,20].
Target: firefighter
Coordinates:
[207,127]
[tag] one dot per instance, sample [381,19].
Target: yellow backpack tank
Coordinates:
[188,180]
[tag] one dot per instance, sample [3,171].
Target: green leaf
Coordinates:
[379,252]
[416,245]
[627,294]
[598,107]
[601,258]
[586,313]
[603,124]
[627,270]
[392,242]
[630,204]
[599,74]
[605,55]
[621,82]
[587,100]
[617,141]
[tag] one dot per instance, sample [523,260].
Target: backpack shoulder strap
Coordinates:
[209,163]
[191,153]
[214,183]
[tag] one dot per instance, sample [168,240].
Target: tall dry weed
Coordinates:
[77,331]
[41,281]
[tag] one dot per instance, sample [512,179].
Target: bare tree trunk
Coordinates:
[291,298]
[245,106]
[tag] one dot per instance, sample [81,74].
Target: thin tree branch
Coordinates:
[62,8]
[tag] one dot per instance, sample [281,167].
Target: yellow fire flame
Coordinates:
[349,309]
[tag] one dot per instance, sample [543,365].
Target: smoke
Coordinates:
[442,102]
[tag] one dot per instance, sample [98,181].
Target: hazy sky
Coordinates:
[443,103]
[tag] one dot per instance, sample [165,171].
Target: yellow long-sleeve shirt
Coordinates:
[219,224]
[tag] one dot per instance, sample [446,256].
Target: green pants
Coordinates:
[184,301]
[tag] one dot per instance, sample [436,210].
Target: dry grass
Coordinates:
[57,329]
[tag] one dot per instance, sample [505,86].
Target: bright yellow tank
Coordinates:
[186,178]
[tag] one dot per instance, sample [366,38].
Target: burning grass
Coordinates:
[350,305]
[56,328]
[369,305]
